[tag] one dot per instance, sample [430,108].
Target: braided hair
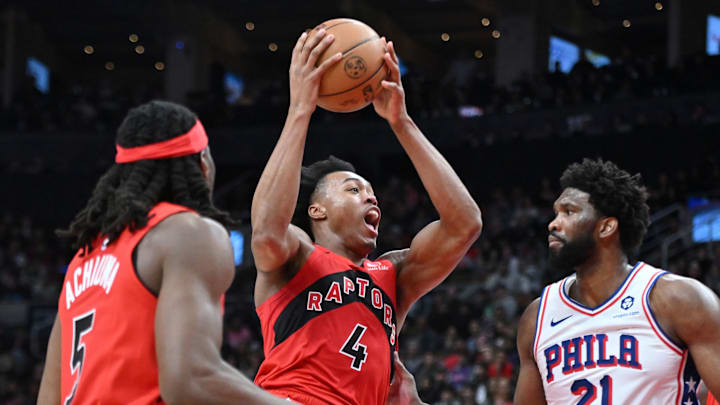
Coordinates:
[126,193]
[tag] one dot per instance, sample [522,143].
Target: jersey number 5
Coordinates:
[81,326]
[354,349]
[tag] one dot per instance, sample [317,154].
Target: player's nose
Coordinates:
[554,225]
[371,199]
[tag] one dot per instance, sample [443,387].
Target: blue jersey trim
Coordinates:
[652,314]
[620,288]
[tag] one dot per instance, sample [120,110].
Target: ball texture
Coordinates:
[353,82]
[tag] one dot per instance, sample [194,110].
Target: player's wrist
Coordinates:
[300,110]
[402,123]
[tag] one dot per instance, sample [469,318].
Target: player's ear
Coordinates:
[607,227]
[317,211]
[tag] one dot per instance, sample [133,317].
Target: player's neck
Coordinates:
[599,277]
[337,246]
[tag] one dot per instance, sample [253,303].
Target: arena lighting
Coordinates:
[496,34]
[139,49]
[445,36]
[249,25]
[478,54]
[658,6]
[595,3]
[485,21]
[159,66]
[109,66]
[626,23]
[88,49]
[272,46]
[133,38]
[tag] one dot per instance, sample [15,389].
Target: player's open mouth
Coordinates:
[372,219]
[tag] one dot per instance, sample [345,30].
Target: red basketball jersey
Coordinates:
[711,400]
[107,318]
[330,332]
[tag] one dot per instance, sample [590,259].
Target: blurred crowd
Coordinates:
[458,341]
[465,89]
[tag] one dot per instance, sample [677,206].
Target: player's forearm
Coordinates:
[219,385]
[277,191]
[448,194]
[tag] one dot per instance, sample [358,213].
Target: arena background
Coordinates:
[635,82]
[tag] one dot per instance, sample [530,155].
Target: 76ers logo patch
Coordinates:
[627,302]
[355,67]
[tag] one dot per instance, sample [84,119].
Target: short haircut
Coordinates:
[615,193]
[310,182]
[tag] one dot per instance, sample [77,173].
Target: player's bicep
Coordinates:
[197,269]
[433,254]
[529,388]
[272,252]
[690,312]
[704,340]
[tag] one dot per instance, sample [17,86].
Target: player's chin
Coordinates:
[369,242]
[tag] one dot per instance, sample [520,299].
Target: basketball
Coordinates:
[353,82]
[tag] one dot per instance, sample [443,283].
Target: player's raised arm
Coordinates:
[529,388]
[50,384]
[692,312]
[197,268]
[436,249]
[274,240]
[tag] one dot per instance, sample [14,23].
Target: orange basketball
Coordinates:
[353,82]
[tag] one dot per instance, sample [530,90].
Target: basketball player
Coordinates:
[330,317]
[615,331]
[704,396]
[140,313]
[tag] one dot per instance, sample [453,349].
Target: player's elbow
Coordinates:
[269,251]
[472,227]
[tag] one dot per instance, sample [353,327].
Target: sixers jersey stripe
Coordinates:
[613,353]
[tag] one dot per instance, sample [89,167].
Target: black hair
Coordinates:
[310,180]
[127,192]
[616,193]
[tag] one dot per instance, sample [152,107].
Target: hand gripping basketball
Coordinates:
[390,102]
[304,75]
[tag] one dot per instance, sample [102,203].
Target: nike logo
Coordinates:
[553,323]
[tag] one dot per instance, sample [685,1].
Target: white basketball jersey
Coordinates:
[615,353]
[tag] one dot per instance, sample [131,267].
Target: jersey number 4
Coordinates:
[354,349]
[589,391]
[81,326]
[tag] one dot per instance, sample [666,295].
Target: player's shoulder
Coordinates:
[396,257]
[677,293]
[527,326]
[529,316]
[188,230]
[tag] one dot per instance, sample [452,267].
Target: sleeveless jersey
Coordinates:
[330,332]
[711,400]
[107,319]
[615,353]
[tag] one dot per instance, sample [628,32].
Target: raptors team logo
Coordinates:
[355,67]
[627,302]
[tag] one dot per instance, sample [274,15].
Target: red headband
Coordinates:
[193,141]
